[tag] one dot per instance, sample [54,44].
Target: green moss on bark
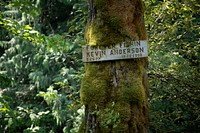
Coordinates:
[100,4]
[132,90]
[102,35]
[120,81]
[115,22]
[95,85]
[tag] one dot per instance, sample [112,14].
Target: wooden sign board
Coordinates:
[135,49]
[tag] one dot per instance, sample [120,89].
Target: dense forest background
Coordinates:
[41,66]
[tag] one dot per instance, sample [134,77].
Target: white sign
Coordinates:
[134,49]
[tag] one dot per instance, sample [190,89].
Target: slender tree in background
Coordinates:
[115,92]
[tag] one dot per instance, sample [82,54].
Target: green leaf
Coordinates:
[28,27]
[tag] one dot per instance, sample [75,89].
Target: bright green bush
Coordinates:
[174,60]
[40,73]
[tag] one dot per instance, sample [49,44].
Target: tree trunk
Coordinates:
[115,92]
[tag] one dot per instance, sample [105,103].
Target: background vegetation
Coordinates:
[41,67]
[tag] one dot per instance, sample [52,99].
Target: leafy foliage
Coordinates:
[40,74]
[174,65]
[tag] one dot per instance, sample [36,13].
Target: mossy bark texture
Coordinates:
[115,92]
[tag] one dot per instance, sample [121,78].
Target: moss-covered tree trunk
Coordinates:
[115,92]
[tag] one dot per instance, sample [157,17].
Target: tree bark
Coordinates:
[115,92]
